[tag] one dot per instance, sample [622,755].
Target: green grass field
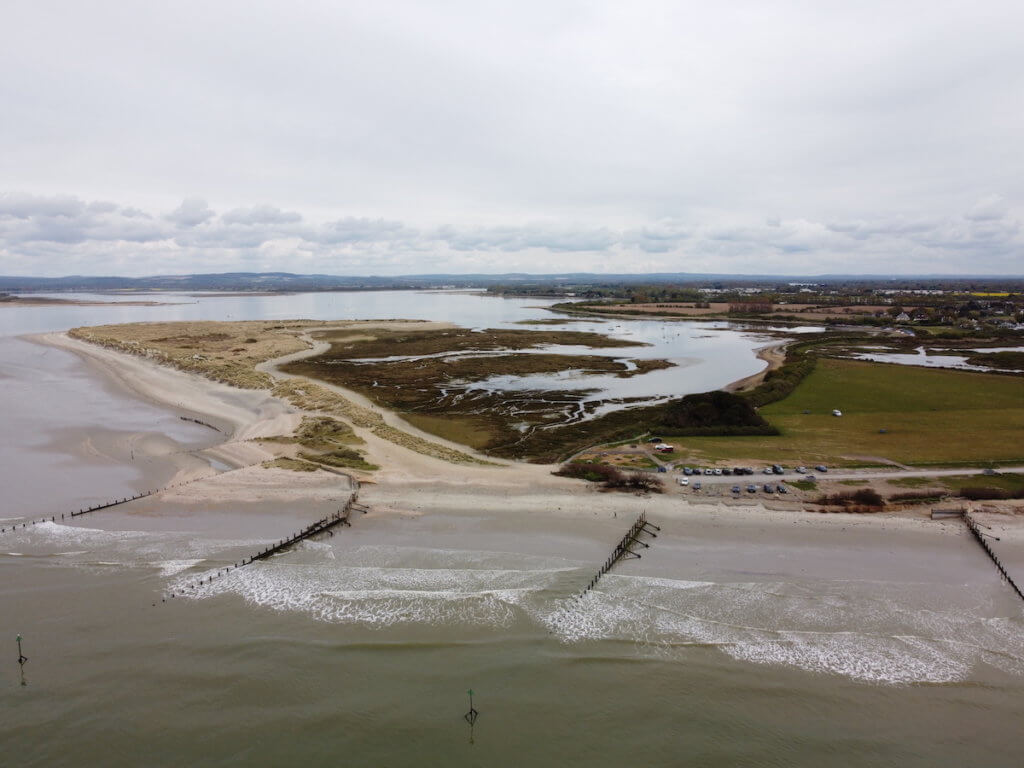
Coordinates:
[930,417]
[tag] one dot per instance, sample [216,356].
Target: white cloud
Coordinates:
[661,134]
[192,212]
[40,235]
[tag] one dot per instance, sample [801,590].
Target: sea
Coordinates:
[731,643]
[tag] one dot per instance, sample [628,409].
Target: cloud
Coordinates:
[260,215]
[192,212]
[43,235]
[24,206]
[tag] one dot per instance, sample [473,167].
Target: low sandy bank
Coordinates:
[239,415]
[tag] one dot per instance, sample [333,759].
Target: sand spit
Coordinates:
[411,482]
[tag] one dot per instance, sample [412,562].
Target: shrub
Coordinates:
[643,481]
[611,477]
[594,473]
[916,497]
[714,412]
[864,497]
[987,493]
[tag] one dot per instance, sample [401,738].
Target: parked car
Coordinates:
[684,481]
[696,486]
[751,489]
[811,478]
[726,471]
[781,489]
[778,470]
[735,489]
[687,471]
[821,468]
[709,471]
[654,440]
[717,471]
[662,469]
[768,488]
[801,470]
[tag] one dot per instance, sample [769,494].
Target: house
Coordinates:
[902,317]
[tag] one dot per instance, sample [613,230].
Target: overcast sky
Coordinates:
[396,138]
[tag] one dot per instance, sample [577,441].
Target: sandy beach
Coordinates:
[416,484]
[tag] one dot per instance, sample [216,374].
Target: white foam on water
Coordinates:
[172,567]
[14,554]
[78,534]
[879,634]
[425,557]
[379,597]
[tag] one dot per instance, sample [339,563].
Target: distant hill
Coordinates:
[286,281]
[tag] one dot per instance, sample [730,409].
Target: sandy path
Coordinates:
[402,465]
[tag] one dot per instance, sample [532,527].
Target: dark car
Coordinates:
[654,440]
[662,469]
[726,471]
[687,471]
[768,488]
[821,468]
[777,469]
[696,486]
[735,489]
[751,489]
[781,489]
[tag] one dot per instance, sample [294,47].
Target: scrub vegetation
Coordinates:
[437,379]
[223,351]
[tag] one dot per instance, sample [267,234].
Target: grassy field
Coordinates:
[930,417]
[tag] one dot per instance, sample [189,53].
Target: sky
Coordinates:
[389,138]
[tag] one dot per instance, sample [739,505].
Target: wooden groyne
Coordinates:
[72,514]
[200,422]
[341,517]
[116,502]
[973,527]
[624,549]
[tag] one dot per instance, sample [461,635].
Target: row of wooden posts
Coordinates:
[87,510]
[972,526]
[623,551]
[320,526]
[623,548]
[108,504]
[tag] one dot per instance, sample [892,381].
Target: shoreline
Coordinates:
[407,481]
[773,354]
